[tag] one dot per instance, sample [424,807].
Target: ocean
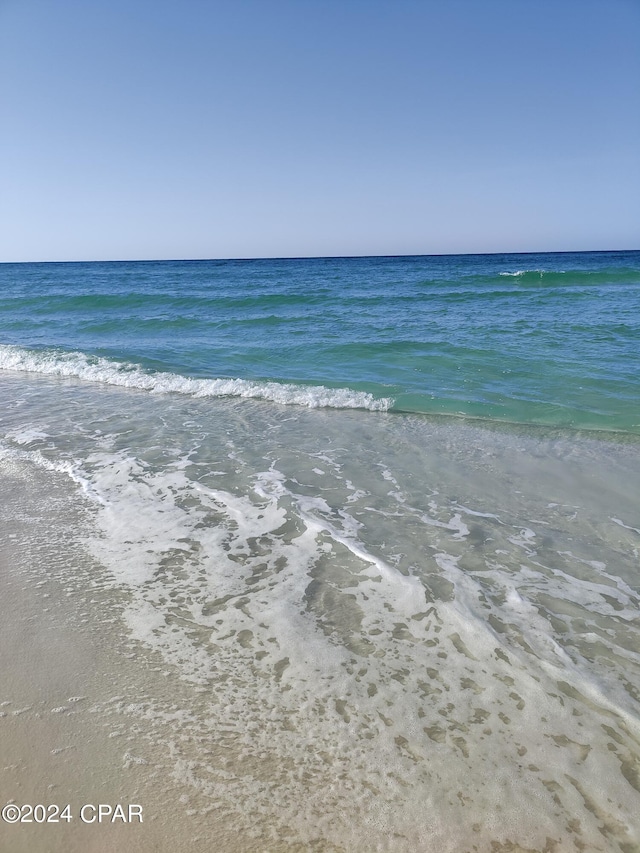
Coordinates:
[344,554]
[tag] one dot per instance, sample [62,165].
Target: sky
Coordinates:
[136,129]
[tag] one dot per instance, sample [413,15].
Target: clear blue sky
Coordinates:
[262,128]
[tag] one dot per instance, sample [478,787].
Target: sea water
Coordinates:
[366,530]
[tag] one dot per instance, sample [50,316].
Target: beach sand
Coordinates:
[71,681]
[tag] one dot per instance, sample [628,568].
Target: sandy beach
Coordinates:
[324,693]
[319,427]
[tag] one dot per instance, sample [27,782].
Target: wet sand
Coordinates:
[67,679]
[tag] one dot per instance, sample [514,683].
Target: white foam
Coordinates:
[455,523]
[67,466]
[314,512]
[517,603]
[99,370]
[626,526]
[523,272]
[27,436]
[474,512]
[524,540]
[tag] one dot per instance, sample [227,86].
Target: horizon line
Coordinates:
[324,257]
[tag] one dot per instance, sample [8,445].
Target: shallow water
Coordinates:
[352,630]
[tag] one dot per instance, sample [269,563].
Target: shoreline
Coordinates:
[303,696]
[67,673]
[87,369]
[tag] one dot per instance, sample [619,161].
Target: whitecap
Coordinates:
[78,365]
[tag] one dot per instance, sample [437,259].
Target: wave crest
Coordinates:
[78,365]
[531,273]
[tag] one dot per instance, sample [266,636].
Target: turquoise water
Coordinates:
[337,620]
[536,338]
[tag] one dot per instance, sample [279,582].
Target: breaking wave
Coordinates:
[88,368]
